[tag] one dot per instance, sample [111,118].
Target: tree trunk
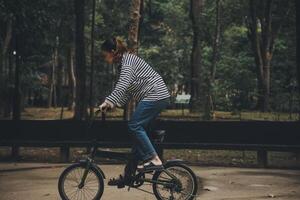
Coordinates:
[197,101]
[215,58]
[133,37]
[51,82]
[3,66]
[9,99]
[134,25]
[91,103]
[263,46]
[59,76]
[80,72]
[18,57]
[4,48]
[298,50]
[72,80]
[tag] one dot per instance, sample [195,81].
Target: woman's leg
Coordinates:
[145,112]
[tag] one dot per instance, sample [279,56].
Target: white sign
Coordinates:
[183,98]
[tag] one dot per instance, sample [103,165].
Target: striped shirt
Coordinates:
[138,80]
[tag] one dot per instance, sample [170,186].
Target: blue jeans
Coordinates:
[141,119]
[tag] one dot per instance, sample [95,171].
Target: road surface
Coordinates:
[34,181]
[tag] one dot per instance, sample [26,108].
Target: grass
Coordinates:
[32,113]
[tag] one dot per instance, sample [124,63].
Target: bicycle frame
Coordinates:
[165,179]
[140,177]
[125,156]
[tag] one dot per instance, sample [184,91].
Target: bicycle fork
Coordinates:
[85,173]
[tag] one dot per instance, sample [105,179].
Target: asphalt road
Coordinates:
[33,181]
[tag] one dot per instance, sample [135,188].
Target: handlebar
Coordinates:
[97,113]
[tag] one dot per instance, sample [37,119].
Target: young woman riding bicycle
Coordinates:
[137,80]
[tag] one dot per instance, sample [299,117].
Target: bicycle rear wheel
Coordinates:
[176,182]
[69,180]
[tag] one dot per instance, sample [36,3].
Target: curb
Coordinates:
[32,168]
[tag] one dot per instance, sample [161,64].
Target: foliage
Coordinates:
[165,42]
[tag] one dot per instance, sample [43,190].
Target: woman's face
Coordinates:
[108,57]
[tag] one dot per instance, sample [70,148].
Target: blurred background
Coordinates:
[221,60]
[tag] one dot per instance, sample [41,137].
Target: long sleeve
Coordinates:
[124,100]
[119,95]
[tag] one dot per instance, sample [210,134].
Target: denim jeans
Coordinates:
[140,122]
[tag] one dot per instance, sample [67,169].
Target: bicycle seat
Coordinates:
[158,135]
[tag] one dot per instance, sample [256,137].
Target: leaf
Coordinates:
[271,195]
[210,188]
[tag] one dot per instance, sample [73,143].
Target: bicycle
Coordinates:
[85,179]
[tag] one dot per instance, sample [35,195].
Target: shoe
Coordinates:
[120,182]
[150,167]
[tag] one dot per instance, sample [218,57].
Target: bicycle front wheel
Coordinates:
[69,186]
[177,182]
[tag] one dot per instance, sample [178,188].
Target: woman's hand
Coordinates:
[106,105]
[103,107]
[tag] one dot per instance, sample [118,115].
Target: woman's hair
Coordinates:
[116,46]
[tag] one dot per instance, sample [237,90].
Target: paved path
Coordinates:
[30,182]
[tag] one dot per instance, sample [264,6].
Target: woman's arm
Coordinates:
[119,95]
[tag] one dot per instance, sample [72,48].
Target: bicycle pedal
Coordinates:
[121,185]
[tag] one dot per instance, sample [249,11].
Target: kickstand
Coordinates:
[128,188]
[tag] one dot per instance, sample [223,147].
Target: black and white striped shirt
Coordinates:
[138,80]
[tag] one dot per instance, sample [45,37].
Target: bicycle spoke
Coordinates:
[89,189]
[89,193]
[88,176]
[75,192]
[75,177]
[178,191]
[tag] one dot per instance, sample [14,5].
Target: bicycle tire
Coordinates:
[68,170]
[169,166]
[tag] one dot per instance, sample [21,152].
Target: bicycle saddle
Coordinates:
[158,135]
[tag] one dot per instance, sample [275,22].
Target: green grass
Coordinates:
[33,113]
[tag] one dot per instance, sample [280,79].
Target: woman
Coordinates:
[140,81]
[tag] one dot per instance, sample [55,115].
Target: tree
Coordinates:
[197,82]
[215,58]
[80,72]
[263,31]
[133,37]
[298,48]
[67,42]
[19,53]
[6,34]
[5,45]
[92,60]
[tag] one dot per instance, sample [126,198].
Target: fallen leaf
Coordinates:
[210,188]
[271,195]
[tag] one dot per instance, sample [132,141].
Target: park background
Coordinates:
[236,59]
